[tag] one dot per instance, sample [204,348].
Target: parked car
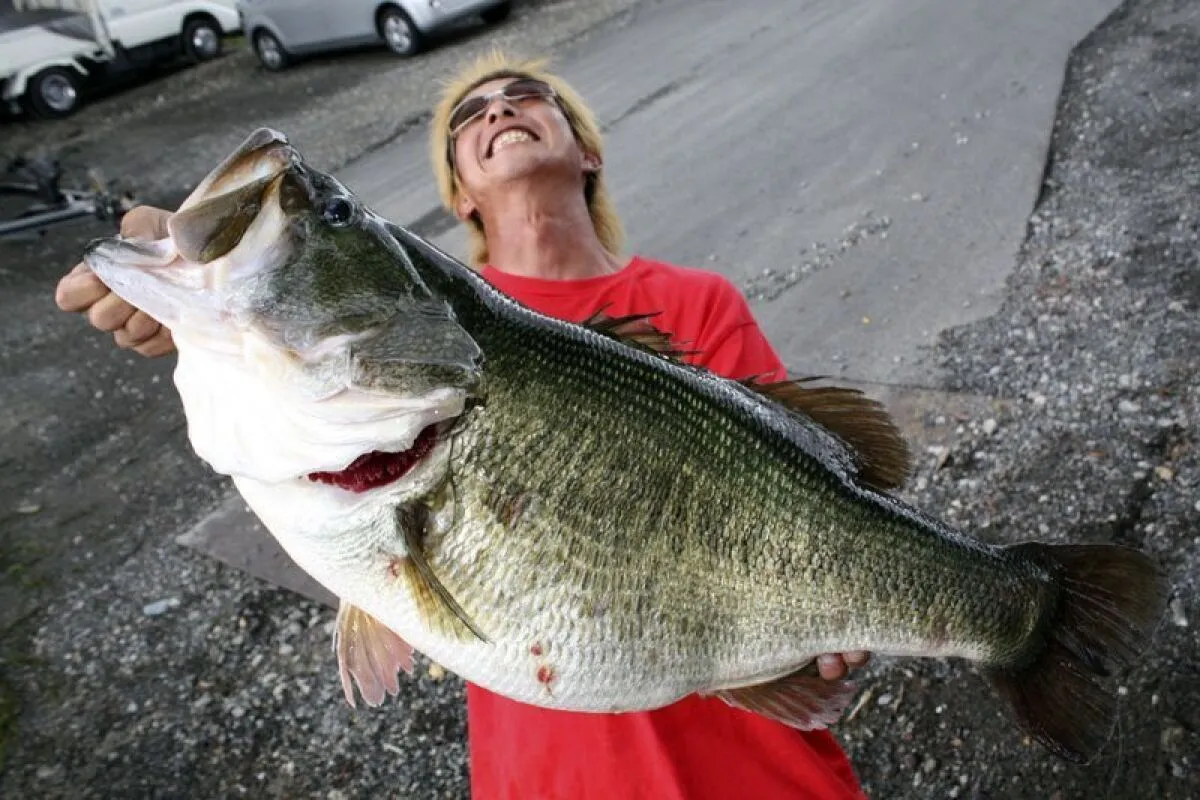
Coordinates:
[49,49]
[281,30]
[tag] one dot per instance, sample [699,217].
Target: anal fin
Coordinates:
[370,653]
[802,699]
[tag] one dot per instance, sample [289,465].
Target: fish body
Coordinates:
[571,515]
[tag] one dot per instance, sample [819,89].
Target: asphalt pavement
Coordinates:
[886,154]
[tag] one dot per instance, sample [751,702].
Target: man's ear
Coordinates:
[592,162]
[464,206]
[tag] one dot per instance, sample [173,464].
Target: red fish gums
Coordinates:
[379,468]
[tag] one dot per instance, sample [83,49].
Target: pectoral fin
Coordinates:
[435,603]
[370,653]
[803,699]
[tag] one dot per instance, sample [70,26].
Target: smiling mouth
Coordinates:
[508,137]
[379,468]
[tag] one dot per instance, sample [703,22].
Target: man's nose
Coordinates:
[500,107]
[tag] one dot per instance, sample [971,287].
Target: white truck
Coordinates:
[50,50]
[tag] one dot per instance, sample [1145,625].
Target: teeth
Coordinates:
[508,137]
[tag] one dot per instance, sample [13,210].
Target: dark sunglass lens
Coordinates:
[466,109]
[526,88]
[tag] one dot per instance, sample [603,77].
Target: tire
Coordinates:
[498,13]
[398,32]
[270,51]
[202,40]
[53,93]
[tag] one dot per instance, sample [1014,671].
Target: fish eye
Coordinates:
[337,211]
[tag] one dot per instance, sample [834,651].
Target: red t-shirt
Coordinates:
[697,747]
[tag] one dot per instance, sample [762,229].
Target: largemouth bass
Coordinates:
[569,514]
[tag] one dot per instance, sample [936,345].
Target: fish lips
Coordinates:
[150,276]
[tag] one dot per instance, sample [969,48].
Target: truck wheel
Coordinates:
[201,39]
[400,35]
[53,93]
[270,52]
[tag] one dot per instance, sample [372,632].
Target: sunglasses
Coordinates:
[472,108]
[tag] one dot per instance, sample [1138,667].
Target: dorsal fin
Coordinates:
[635,330]
[878,448]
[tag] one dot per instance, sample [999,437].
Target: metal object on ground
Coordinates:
[48,204]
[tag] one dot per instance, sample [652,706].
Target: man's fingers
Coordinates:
[831,666]
[79,289]
[139,328]
[110,313]
[145,222]
[158,345]
[856,658]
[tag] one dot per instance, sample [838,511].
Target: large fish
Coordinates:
[569,514]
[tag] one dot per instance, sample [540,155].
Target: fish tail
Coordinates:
[1110,601]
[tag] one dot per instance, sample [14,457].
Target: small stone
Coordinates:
[286,649]
[1164,473]
[1038,400]
[28,508]
[436,671]
[132,708]
[1125,381]
[160,606]
[929,766]
[45,772]
[1177,614]
[1128,407]
[989,426]
[884,699]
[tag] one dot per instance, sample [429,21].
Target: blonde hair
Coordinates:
[491,66]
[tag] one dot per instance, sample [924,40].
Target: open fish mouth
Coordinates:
[378,468]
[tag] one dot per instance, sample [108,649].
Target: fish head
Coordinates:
[308,345]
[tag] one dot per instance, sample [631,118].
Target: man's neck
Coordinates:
[545,238]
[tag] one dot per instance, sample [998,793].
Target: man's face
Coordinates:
[511,137]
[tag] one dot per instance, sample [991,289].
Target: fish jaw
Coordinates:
[151,276]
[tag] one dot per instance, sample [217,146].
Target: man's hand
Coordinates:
[835,666]
[81,291]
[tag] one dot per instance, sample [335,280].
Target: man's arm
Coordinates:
[82,292]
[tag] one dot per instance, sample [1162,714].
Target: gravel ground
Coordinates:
[1093,359]
[132,667]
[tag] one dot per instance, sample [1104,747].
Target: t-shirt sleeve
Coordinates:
[733,345]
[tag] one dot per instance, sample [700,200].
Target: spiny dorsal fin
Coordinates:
[435,603]
[635,330]
[878,447]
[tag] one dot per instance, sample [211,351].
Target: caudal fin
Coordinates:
[1111,601]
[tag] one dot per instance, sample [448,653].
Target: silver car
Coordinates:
[280,30]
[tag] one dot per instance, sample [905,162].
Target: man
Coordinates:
[518,158]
